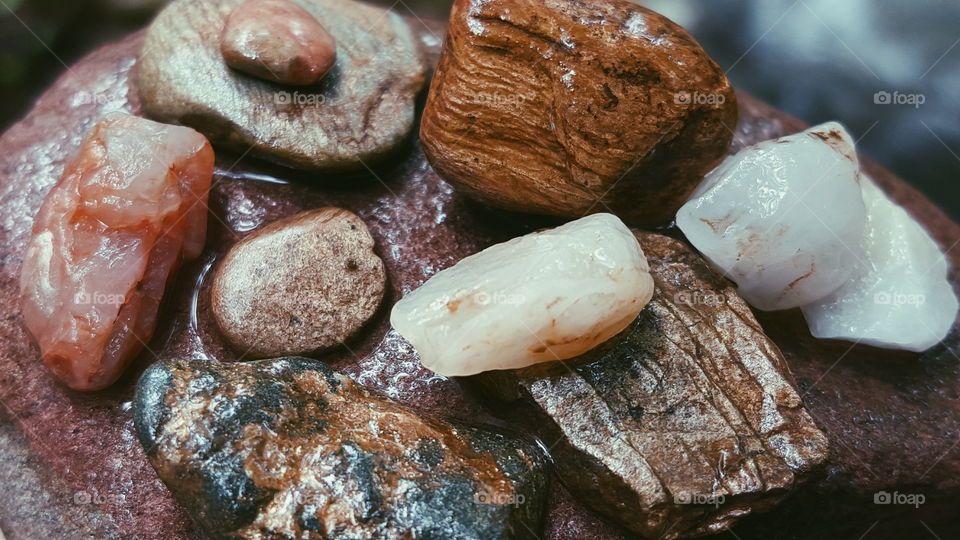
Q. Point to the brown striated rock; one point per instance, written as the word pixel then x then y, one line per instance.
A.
pixel 565 108
pixel 299 285
pixel 688 421
pixel 362 110
pixel 289 448
pixel 277 40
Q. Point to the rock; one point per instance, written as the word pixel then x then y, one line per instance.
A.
pixel 783 219
pixel 898 296
pixel 279 41
pixel 547 296
pixel 290 448
pixel 686 422
pixel 795 223
pixel 564 108
pixel 320 285
pixel 128 210
pixel 361 112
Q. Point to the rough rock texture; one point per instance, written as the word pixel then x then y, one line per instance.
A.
pixel 563 107
pixel 290 448
pixel 318 284
pixel 277 40
pixel 362 110
pixel 688 421
pixel 130 208
pixel 893 419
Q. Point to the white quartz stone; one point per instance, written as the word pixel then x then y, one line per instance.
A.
pixel 783 219
pixel 550 295
pixel 899 296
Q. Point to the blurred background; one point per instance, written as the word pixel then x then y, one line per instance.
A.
pixel 889 70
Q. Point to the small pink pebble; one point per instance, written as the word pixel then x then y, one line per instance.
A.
pixel 128 210
pixel 279 41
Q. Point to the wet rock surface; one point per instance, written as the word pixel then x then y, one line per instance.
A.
pixel 550 295
pixel 783 219
pixel 563 107
pixel 360 112
pixel 130 208
pixel 290 448
pixel 299 285
pixel 688 421
pixel 891 417
pixel 277 40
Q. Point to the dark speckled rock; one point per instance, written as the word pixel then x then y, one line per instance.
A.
pixel 289 448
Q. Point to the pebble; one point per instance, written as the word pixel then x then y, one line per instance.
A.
pixel 784 218
pixel 566 108
pixel 899 295
pixel 299 285
pixel 290 448
pixel 279 41
pixel 130 207
pixel 547 296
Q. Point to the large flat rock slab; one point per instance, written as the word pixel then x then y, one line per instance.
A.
pixel 359 112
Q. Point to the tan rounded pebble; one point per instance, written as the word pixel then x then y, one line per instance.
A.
pixel 279 41
pixel 298 286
